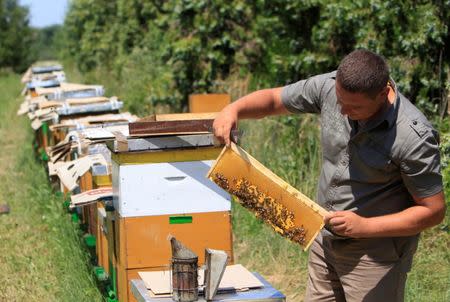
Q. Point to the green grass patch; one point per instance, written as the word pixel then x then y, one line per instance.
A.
pixel 41 253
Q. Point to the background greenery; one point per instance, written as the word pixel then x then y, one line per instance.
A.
pixel 173 48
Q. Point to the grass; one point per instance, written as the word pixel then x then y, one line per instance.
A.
pixel 41 255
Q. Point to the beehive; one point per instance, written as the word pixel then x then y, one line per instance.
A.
pixel 160 189
pixel 294 215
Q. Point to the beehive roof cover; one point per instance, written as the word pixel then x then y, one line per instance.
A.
pixel 173 124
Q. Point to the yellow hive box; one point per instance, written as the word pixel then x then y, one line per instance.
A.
pixel 200 103
pixel 234 163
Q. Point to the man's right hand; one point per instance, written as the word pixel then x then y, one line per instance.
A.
pixel 225 121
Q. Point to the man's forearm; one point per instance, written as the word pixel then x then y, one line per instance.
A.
pixel 427 212
pixel 409 222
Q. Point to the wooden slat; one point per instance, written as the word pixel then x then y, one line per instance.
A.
pixel 234 164
pixel 49 104
pixel 170 127
pixel 83 101
pixel 179 117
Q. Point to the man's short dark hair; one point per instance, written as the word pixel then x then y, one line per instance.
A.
pixel 363 71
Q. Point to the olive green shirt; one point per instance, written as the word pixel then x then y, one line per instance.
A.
pixel 373 168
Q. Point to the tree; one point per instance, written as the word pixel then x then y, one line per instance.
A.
pixel 15 35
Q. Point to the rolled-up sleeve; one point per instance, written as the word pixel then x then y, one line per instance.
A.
pixel 420 165
pixel 305 96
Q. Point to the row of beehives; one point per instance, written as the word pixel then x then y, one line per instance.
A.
pixel 133 182
pixel 128 192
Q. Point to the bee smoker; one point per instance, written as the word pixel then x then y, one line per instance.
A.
pixel 184 270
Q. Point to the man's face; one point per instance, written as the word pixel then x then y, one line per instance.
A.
pixel 359 106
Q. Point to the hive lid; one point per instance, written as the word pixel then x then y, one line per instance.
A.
pixel 173 124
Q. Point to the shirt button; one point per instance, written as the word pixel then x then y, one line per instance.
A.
pixel 414 122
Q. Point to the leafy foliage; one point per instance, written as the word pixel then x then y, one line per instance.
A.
pixel 15 35
pixel 47 42
pixel 280 41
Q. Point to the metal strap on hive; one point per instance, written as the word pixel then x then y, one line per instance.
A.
pixel 163 142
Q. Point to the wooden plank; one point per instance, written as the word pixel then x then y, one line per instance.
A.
pixel 83 101
pixel 234 164
pixel 94 120
pixel 101 248
pixel 49 104
pixel 75 86
pixel 170 127
pixel 63 87
pixel 179 117
pixel 199 103
pixel 90 196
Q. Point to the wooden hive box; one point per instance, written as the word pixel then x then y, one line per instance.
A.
pixel 199 103
pixel 164 192
pixel 234 164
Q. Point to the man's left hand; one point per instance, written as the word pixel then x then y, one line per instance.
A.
pixel 347 223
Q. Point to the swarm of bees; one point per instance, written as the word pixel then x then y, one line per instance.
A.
pixel 264 207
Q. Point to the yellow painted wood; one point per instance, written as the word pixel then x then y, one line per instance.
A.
pixel 235 163
pixel 199 103
pixel 145 238
pixel 121 258
pixel 101 246
pixel 102 181
pixel 110 236
pixel 179 117
pixel 141 243
pixel 135 158
pixel 89 212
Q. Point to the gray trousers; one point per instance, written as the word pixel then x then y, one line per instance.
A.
pixel 359 269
